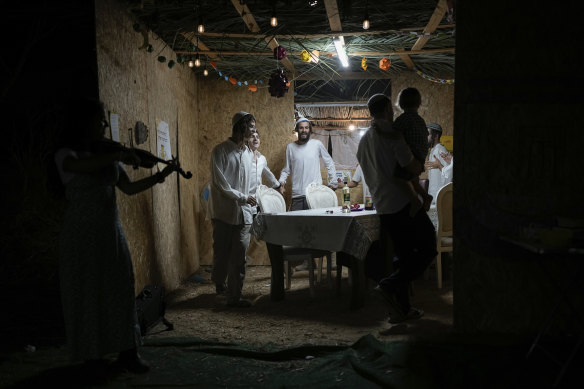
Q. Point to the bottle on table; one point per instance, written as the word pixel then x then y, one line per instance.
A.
pixel 346 198
pixel 368 203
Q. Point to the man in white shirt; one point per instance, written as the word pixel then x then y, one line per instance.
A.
pixel 303 164
pixel 435 159
pixel 380 150
pixel 230 208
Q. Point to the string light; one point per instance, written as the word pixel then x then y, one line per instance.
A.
pixel 191 63
pixel 197 60
pixel 200 28
pixel 205 72
pixel 351 127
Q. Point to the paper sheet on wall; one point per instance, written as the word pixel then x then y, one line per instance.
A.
pixel 114 126
pixel 163 142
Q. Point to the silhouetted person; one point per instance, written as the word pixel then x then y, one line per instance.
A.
pixel 96 273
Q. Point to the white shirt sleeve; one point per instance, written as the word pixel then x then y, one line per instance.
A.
pixel 219 180
pixel 268 175
pixel 286 170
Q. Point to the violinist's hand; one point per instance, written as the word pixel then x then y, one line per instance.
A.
pixel 168 169
pixel 282 189
pixel 252 201
pixel 128 157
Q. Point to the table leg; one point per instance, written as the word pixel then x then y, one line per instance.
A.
pixel 277 280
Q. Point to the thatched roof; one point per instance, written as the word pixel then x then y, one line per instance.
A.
pixel 239 40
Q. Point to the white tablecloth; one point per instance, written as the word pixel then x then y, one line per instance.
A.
pixel 351 233
pixel 433 215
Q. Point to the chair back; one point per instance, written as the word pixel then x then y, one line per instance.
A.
pixel 270 200
pixel 444 210
pixel 320 196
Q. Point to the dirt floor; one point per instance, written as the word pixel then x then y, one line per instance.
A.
pixel 196 310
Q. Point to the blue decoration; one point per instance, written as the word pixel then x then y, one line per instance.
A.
pixel 220 74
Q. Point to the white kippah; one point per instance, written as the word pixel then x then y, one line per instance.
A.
pixel 300 120
pixel 238 116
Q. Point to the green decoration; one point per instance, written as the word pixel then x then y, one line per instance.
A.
pixel 170 64
pixel 161 58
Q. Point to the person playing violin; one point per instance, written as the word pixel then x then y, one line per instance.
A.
pixel 95 268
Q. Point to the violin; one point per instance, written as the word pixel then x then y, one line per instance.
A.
pixel 147 159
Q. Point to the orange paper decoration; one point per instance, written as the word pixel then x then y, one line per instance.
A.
pixel 384 64
pixel 232 80
pixel 213 64
pixel 253 88
pixel 364 63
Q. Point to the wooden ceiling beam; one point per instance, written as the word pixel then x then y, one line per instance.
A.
pixel 332 12
pixel 333 53
pixel 308 36
pixel 252 25
pixel 433 23
pixel 200 44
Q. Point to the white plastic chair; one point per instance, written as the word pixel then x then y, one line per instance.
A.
pixel 321 196
pixel 271 201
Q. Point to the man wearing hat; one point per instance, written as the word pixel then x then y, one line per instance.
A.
pixel 435 159
pixel 303 164
pixel 380 151
pixel 230 208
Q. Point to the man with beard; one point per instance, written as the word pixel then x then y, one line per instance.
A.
pixel 303 164
pixel 230 208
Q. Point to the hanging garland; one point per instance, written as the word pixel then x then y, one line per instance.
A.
pixel 252 87
pixel 434 79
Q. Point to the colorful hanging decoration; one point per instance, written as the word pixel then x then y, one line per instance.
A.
pixel 305 56
pixel 233 81
pixel 384 63
pixel 434 79
pixel 278 81
pixel 279 52
pixel 315 56
pixel 364 63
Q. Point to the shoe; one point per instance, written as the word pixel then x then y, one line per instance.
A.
pixel 413 313
pixel 241 303
pixel 220 288
pixel 131 362
pixel 395 310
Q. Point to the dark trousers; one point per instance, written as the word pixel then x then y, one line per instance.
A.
pixel 414 243
pixel 299 203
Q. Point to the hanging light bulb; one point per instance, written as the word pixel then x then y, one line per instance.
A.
pixel 197 60
pixel 366 23
pixel 191 63
pixel 366 18
pixel 205 72
pixel 200 28
pixel 273 19
pixel 351 127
